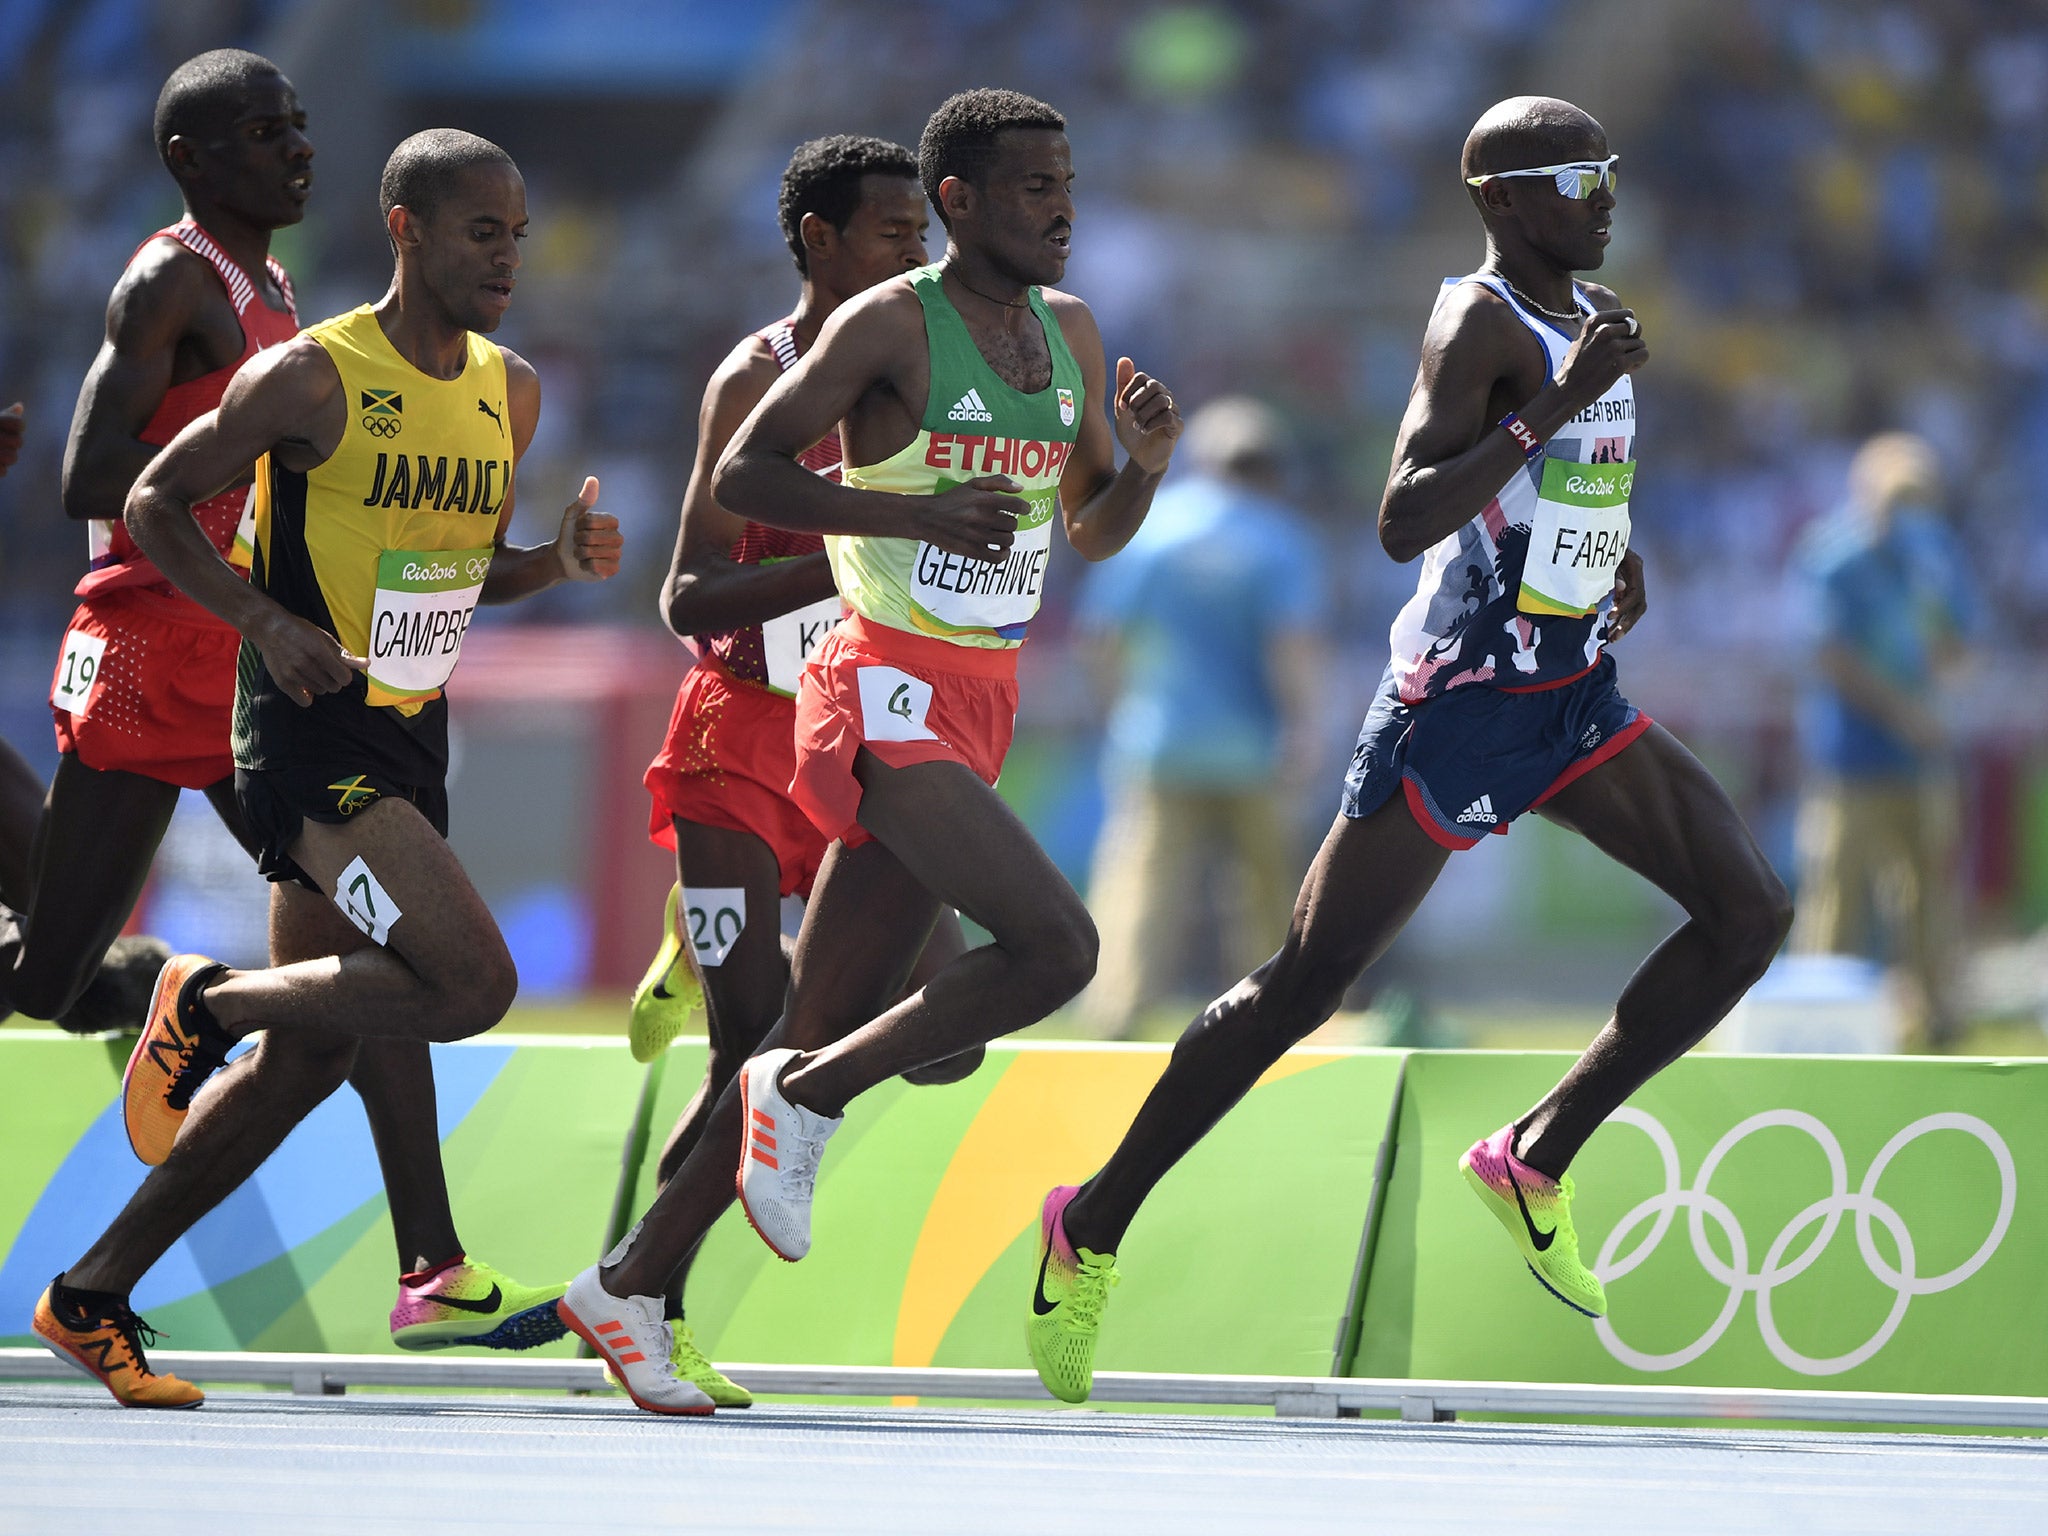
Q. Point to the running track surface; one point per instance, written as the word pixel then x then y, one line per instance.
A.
pixel 71 1461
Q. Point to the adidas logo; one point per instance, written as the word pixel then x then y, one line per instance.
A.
pixel 1479 810
pixel 969 407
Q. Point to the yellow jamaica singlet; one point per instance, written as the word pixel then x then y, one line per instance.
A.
pixel 385 546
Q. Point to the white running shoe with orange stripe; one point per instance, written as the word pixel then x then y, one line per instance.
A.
pixel 631 1336
pixel 779 1163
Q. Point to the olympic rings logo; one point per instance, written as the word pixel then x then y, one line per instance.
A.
pixel 383 426
pixel 1863 1203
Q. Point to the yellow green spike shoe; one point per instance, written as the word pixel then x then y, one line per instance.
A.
pixel 671 995
pixel 1067 1298
pixel 689 1364
pixel 1537 1213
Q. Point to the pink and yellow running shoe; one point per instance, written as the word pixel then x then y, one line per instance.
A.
pixel 1536 1210
pixel 465 1301
pixel 1067 1299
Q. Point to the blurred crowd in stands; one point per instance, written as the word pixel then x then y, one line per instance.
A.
pixel 1831 219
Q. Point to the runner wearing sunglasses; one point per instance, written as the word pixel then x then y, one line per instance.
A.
pixel 1510 479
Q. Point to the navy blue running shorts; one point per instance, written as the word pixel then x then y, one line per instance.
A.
pixel 1470 761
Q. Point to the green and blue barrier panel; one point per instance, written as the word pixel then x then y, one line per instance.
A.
pixel 1866 1224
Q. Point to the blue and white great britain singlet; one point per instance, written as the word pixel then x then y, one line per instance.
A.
pixel 1490 607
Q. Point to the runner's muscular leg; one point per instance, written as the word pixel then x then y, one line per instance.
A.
pixel 444 972
pixel 21 807
pixel 237 1120
pixel 1365 883
pixel 1654 809
pixel 960 841
pixel 743 996
pixel 93 847
pixel 393 1077
pixel 946 945
pixel 866 923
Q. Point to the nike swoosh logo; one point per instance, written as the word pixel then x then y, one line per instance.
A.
pixel 1038 1302
pixel 489 1303
pixel 661 989
pixel 1542 1240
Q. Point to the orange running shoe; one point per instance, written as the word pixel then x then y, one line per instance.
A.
pixel 180 1048
pixel 108 1347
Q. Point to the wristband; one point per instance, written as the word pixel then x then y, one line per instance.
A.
pixel 1518 429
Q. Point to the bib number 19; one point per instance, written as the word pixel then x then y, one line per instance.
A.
pixel 77 670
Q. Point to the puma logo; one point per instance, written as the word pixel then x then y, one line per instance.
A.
pixel 484 406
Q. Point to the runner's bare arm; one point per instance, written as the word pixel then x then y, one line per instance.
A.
pixel 588 544
pixel 707 591
pixel 1631 598
pixel 286 402
pixel 869 343
pixel 1478 363
pixel 151 310
pixel 1103 506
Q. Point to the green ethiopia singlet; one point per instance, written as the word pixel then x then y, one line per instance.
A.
pixel 974 424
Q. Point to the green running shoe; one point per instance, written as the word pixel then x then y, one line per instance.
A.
pixel 1537 1212
pixel 468 1302
pixel 689 1364
pixel 1066 1304
pixel 670 995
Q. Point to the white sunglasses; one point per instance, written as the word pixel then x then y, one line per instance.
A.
pixel 1579 179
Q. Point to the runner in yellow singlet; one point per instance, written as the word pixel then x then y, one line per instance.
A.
pixel 385 444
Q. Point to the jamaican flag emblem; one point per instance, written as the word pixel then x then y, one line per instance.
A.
pixel 382 410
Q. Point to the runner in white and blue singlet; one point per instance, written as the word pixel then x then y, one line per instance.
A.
pixel 1465 624
pixel 1510 479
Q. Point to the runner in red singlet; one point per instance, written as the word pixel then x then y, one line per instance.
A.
pixel 21 792
pixel 144 688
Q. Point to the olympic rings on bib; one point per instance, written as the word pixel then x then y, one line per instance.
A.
pixel 1777 1269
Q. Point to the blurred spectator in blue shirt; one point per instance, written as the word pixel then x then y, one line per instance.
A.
pixel 1208 628
pixel 1884 585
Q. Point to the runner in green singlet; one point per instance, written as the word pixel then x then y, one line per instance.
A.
pixel 977 409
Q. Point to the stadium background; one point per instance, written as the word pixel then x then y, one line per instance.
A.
pixel 1831 223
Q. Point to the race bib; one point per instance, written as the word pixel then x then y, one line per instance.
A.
pixel 716 916
pixel 422 609
pixel 78 668
pixel 364 902
pixel 790 639
pixel 893 705
pixel 979 594
pixel 1576 538
pixel 242 556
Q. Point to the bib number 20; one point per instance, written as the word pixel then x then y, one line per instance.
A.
pixel 715 917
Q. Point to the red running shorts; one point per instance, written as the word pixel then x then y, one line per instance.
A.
pixel 145 684
pixel 726 762
pixel 907 699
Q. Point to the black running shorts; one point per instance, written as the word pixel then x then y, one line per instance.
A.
pixel 277 802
